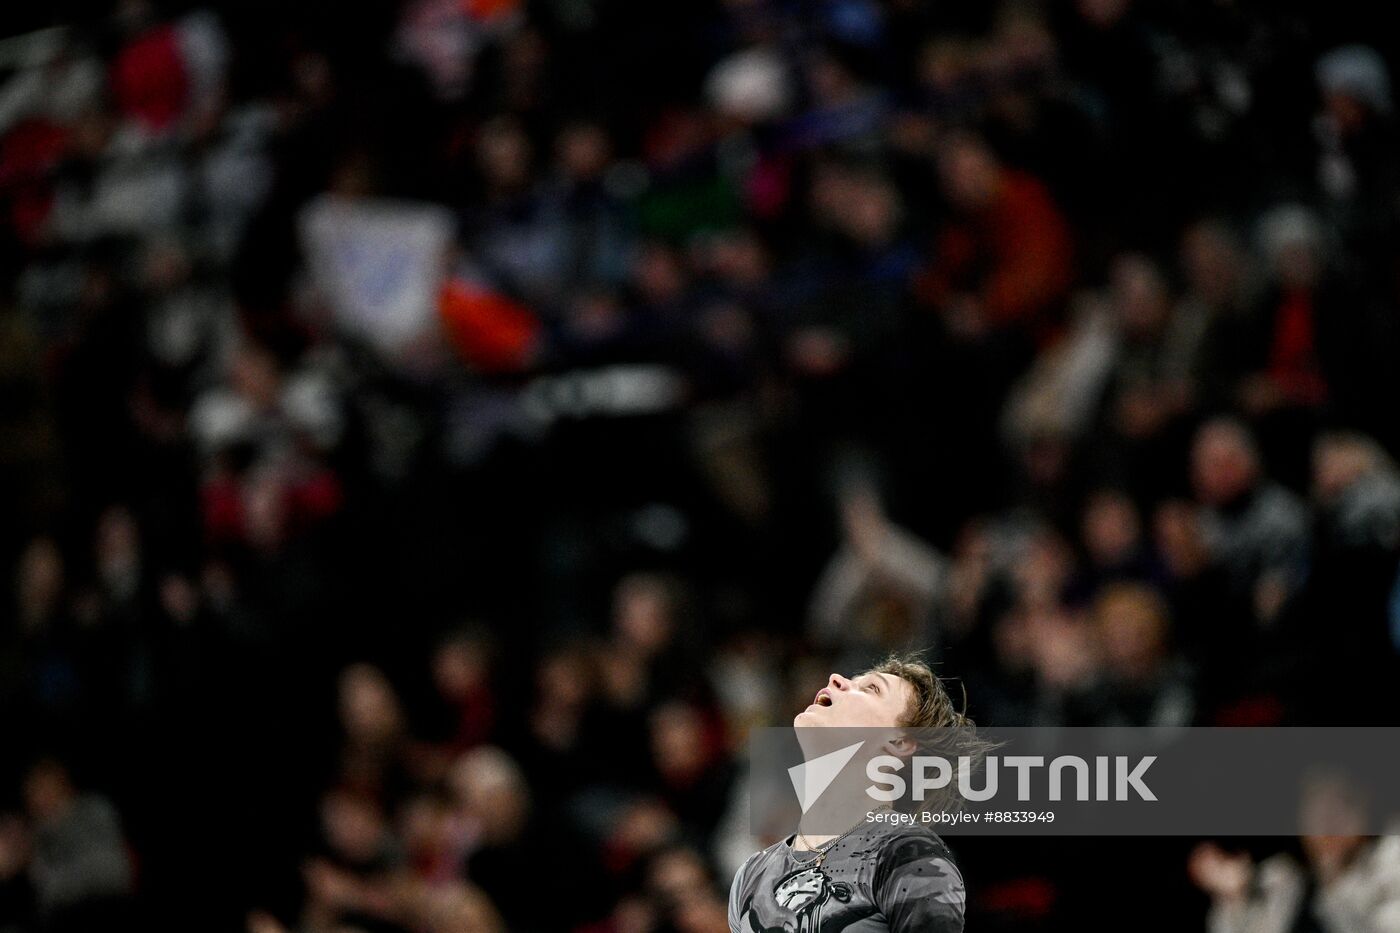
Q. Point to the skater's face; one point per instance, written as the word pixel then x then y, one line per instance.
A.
pixel 870 700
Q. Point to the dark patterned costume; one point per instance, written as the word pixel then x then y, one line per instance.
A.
pixel 876 879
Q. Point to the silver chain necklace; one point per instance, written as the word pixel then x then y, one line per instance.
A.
pixel 824 849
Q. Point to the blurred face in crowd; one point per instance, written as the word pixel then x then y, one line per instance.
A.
pixel 488 785
pixel 873 215
pixel 133 15
pixel 678 742
pixel 676 874
pixel 1211 261
pixel 1042 570
pixel 266 508
pixel 1024 41
pixel 424 823
pixel 117 539
pixel 40 580
pixel 458 907
pixel 460 668
pixel 565 678
pixel 739 258
pixel 1223 463
pixel 369 710
pixel 679 880
pixel 970 172
pixel 1046 459
pixel 255 376
pixel 945 62
pixel 1111 527
pixel 830 81
pixel 1062 647
pixel 1012 639
pixel 1177 534
pixel 583 151
pixel 118 549
pixel 642 614
pixel 313 78
pixel 353 825
pixel 47 791
pixel 831 193
pixel 870 700
pixel 1349 112
pixel 1132 629
pixel 1340 461
pixel 1332 817
pixel 1139 295
pixel 165 266
pixel 503 155
pixel 1102 13
pixel 523 63
pixel 658 275
pixel 594 315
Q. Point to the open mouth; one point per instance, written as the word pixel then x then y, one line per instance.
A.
pixel 823 699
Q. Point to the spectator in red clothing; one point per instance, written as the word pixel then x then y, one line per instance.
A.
pixel 149 78
pixel 1291 371
pixel 1005 258
pixel 461 669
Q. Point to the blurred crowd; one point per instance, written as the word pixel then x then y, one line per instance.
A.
pixel 434 432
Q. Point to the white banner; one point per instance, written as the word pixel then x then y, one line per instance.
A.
pixel 379 263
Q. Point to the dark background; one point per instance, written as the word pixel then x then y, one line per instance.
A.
pixel 269 588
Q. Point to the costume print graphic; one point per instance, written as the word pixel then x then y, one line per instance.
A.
pixel 873 880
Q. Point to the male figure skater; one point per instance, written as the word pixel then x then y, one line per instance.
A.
pixel 877 875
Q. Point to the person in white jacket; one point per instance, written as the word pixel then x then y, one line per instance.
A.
pixel 1347 883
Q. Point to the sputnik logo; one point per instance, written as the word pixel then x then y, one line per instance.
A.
pixel 813 777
